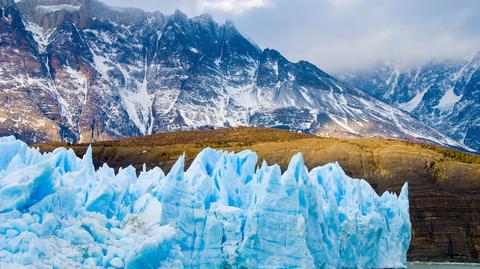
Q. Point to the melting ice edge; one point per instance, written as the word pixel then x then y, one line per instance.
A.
pixel 56 210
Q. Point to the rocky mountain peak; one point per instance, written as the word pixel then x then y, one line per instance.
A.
pixel 231 31
pixel 230 24
pixel 204 19
pixel 50 13
pixel 272 54
pixel 179 16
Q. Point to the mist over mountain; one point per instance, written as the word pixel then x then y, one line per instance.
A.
pixel 443 94
pixel 346 35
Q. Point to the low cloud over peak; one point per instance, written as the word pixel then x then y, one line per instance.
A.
pixel 345 35
pixel 233 6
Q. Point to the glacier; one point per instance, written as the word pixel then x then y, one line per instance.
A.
pixel 224 211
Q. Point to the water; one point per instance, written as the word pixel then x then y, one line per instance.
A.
pixel 432 265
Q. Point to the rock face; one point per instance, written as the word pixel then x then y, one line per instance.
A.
pixel 445 95
pixel 95 72
pixel 28 106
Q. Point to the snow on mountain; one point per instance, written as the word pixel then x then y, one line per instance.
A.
pixel 222 212
pixel 94 72
pixel 54 8
pixel 444 94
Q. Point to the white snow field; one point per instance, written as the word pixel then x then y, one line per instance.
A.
pixel 57 211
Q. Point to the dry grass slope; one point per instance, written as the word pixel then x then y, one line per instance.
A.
pixel 444 184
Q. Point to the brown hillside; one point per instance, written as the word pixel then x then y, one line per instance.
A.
pixel 444 184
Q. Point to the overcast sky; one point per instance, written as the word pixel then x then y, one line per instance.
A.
pixel 343 35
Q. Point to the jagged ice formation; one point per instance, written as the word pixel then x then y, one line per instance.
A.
pixel 56 210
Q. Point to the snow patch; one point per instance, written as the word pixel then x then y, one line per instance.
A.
pixel 40 35
pixel 100 64
pixel 139 105
pixel 275 68
pixel 343 124
pixel 448 101
pixel 194 50
pixel 414 102
pixel 54 8
pixel 78 78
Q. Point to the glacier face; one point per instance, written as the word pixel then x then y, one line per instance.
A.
pixel 57 211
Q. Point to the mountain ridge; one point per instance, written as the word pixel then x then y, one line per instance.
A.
pixel 444 94
pixel 98 79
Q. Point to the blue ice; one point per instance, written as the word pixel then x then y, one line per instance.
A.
pixel 57 210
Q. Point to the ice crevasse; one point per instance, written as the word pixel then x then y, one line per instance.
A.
pixel 58 211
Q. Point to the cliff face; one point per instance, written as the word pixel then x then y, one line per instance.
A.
pixel 444 185
pixel 49 14
pixel 24 85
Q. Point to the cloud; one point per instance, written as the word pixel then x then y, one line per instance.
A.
pixel 233 6
pixel 347 35
pixel 344 35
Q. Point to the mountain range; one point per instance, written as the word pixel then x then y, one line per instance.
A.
pixel 443 94
pixel 82 71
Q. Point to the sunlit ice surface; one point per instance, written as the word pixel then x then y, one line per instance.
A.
pixel 57 210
